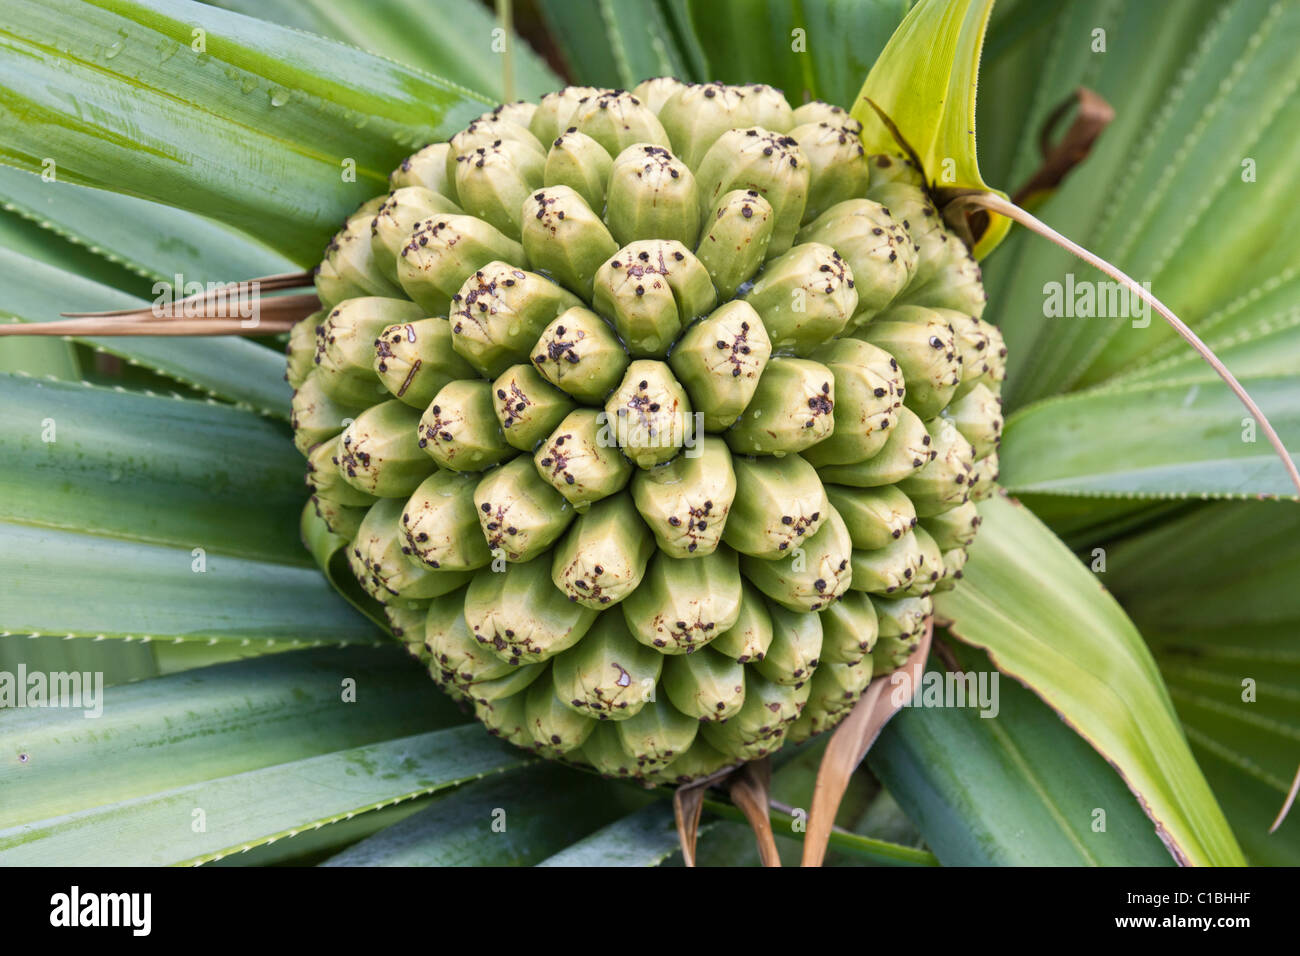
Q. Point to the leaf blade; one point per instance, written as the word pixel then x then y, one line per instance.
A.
pixel 1021 590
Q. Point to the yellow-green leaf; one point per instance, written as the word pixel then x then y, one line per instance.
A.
pixel 925 83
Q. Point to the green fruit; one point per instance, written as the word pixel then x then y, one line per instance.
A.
pixel 315 416
pixel 520 514
pixel 779 503
pixel 527 407
pixel 440 524
pixel 698 114
pixel 603 556
pixel 581 355
pixel 325 480
pixel 461 660
pixel 446 250
pixel 816 573
pixel 877 248
pixel 686 502
pixel 384 571
pixel 760 725
pixel 518 615
pixel 380 454
pixel 771 164
pixel 656 735
pixel 651 290
pixel 555 728
pixel 654 93
pixel 906 450
pixel 345 346
pixel 849 629
pixel 652 195
pixel 792 409
pixel 459 429
pixel 839 166
pixel 579 162
pixel 891 569
pixel 983 475
pixel 720 360
pixel 300 351
pixel 415 359
pixel 734 240
pixel 581 460
pixel 925 347
pixel 626 409
pixel 909 205
pixel 978 416
pixel 396 219
pixel 945 482
pixel 428 169
pixel 954 528
pixel 684 603
pixel 563 237
pixel 554 112
pixel 749 638
pixel 492 181
pixel 868 392
pixel 349 269
pixel 796 646
pixel 705 685
pixel 498 314
pixel 805 297
pixel 616 120
pixel 608 675
pixel 342 520
pixel 874 516
pixel 649 415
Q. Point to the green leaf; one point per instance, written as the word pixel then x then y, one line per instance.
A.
pixel 150 240
pixel 259 806
pixel 327 550
pixel 1152 441
pixel 1014 788
pixel 512 819
pixel 20 236
pixel 613 43
pixel 47 357
pixel 1214 592
pixel 925 82
pixel 64 582
pixel 645 838
pixel 171 732
pixel 1198 87
pixel 316 845
pixel 118 662
pixel 815 49
pixel 448 38
pixel 1048 623
pixel 37 290
pixel 124 101
pixel 149 468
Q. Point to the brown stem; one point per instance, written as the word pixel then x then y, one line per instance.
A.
pixel 749 792
pixel 848 747
pixel 275 283
pixel 1095 114
pixel 93 328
